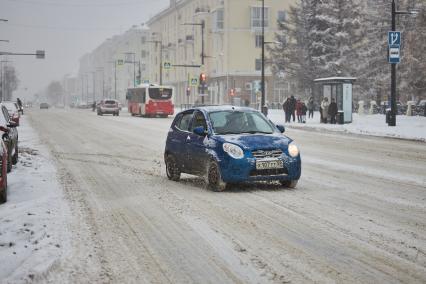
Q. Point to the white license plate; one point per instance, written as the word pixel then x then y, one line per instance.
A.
pixel 271 164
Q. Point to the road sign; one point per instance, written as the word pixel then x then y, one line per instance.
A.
pixel 394 54
pixel 394 38
pixel 120 62
pixel 40 54
pixel 194 82
pixel 167 65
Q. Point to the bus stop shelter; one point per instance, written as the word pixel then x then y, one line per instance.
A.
pixel 340 89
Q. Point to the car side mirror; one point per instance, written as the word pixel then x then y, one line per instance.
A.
pixel 281 128
pixel 12 124
pixel 200 131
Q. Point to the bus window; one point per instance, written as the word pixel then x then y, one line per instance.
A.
pixel 160 93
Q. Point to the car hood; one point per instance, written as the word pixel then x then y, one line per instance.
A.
pixel 256 141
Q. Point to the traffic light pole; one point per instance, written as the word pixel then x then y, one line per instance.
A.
pixel 262 101
pixel 392 118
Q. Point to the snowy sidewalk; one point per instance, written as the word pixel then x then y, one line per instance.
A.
pixel 408 127
pixel 33 222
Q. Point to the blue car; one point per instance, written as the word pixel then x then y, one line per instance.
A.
pixel 227 145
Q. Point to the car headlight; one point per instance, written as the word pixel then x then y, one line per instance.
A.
pixel 233 150
pixel 293 150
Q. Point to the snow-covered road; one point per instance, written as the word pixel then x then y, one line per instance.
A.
pixel 358 214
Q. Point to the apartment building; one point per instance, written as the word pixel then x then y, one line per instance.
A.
pixel 232 39
pixel 114 66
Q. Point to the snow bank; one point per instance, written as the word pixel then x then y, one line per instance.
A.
pixel 408 127
pixel 33 221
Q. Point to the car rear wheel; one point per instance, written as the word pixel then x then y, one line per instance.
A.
pixel 172 169
pixel 9 163
pixel 289 183
pixel 15 155
pixel 214 178
pixel 3 194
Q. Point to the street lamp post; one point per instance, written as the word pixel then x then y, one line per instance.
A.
pixel 203 56
pixel 392 118
pixel 103 80
pixel 161 58
pixel 262 87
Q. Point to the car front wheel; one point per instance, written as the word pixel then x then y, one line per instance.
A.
pixel 289 183
pixel 172 169
pixel 214 177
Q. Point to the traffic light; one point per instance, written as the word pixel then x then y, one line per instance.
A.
pixel 231 92
pixel 203 77
pixel 188 91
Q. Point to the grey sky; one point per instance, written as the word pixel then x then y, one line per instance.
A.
pixel 65 29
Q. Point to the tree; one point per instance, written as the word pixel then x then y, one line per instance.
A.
pixel 10 82
pixel 55 92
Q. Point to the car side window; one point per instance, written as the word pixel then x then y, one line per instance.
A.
pixel 4 119
pixel 184 121
pixel 198 120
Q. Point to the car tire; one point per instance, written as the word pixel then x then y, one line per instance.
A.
pixel 9 163
pixel 172 169
pixel 3 194
pixel 118 114
pixel 214 178
pixel 289 183
pixel 15 156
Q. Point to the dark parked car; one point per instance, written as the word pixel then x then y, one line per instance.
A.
pixel 230 145
pixel 3 172
pixel 44 106
pixel 13 110
pixel 108 106
pixel 9 135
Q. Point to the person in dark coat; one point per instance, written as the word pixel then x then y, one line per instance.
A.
pixel 332 111
pixel 311 106
pixel 286 109
pixel 304 110
pixel 299 110
pixel 292 108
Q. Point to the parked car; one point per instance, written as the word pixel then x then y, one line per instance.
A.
pixel 44 105
pixel 13 110
pixel 9 134
pixel 3 172
pixel 108 106
pixel 228 145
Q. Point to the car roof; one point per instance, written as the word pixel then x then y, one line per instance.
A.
pixel 215 108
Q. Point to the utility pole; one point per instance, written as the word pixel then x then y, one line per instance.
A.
pixel 262 87
pixel 393 112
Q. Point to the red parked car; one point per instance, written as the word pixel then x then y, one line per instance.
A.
pixel 13 110
pixel 3 172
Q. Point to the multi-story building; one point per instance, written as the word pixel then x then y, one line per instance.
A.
pixel 114 66
pixel 231 40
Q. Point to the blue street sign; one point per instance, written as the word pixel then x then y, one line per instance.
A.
pixel 394 38
pixel 394 54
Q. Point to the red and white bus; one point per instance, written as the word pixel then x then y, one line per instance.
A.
pixel 150 100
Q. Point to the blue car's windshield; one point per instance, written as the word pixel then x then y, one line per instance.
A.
pixel 238 122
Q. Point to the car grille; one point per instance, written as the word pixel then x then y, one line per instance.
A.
pixel 269 172
pixel 262 154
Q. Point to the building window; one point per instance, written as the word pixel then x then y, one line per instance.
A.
pixel 143 40
pixel 218 18
pixel 259 40
pixel 256 17
pixel 258 64
pixel 282 16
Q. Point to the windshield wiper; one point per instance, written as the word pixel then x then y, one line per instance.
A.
pixel 254 132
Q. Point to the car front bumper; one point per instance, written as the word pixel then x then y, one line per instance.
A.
pixel 244 170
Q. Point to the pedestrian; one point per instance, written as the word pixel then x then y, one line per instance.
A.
pixel 311 106
pixel 19 102
pixel 304 110
pixel 332 111
pixel 324 109
pixel 292 108
pixel 299 110
pixel 286 107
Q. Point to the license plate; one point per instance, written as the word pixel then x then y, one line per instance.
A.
pixel 271 164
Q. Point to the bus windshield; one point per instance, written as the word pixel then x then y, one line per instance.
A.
pixel 160 93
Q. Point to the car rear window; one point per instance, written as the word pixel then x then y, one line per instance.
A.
pixel 110 102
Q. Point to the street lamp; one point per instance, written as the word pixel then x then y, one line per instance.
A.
pixel 392 118
pixel 161 56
